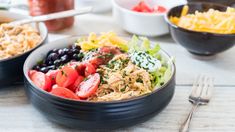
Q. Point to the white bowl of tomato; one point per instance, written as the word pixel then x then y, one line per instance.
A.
pixel 143 17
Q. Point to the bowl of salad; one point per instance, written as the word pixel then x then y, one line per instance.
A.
pixel 99 81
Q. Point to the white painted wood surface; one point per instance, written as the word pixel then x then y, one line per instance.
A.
pixel 18 115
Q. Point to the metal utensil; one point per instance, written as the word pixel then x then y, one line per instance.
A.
pixel 200 95
pixel 52 16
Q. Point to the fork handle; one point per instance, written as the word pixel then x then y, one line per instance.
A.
pixel 185 126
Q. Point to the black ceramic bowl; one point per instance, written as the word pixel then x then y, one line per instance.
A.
pixel 224 2
pixel 200 43
pixel 11 68
pixel 95 115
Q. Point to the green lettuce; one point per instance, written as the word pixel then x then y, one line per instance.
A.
pixel 160 76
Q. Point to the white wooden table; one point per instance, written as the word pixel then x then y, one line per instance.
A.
pixel 18 115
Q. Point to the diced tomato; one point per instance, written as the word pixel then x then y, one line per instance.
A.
pixel 41 80
pixel 160 9
pixel 110 50
pixel 144 7
pixel 96 61
pixel 66 76
pixel 31 72
pixel 89 86
pixel 64 93
pixel 90 69
pixel 81 69
pixel 52 75
pixel 76 84
pixel 136 8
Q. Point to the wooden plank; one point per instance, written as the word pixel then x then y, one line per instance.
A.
pixel 18 115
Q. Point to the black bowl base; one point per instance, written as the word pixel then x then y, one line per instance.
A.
pixel 201 54
pixel 109 126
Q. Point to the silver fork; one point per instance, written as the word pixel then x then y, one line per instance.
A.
pixel 200 95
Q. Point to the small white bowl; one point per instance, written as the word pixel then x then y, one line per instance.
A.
pixel 99 6
pixel 146 24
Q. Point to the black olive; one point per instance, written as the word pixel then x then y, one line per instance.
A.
pixel 77 57
pixel 43 65
pixel 37 68
pixel 55 50
pixel 52 67
pixel 75 51
pixel 78 47
pixel 65 58
pixel 52 57
pixel 57 63
pixel 70 52
pixel 61 52
pixel 65 50
pixel 50 63
pixel 44 69
pixel 52 51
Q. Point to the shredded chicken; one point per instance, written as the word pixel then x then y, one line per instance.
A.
pixel 15 40
pixel 121 79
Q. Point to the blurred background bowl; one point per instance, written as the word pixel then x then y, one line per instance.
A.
pixel 200 43
pixel 11 69
pixel 147 24
pixel 99 6
pixel 95 115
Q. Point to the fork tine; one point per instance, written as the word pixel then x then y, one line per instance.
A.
pixel 207 90
pixel 211 88
pixel 197 87
pixel 205 87
pixel 194 87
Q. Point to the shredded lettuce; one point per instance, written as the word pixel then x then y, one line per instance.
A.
pixel 159 76
pixel 143 44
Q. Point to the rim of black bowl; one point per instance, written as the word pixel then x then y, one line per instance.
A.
pixel 166 16
pixel 38 45
pixel 98 102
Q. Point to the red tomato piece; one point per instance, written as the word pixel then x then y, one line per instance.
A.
pixel 160 9
pixel 52 75
pixel 89 86
pixel 90 69
pixel 76 84
pixel 136 8
pixel 64 93
pixel 81 69
pixel 66 76
pixel 31 72
pixel 96 61
pixel 110 50
pixel 41 80
pixel 144 7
